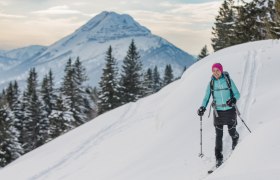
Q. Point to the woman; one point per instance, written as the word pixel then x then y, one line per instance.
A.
pixel 225 94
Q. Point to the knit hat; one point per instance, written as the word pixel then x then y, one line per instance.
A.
pixel 218 66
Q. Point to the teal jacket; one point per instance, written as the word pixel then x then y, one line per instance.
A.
pixel 221 93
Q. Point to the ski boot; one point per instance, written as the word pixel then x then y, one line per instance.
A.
pixel 219 162
pixel 235 141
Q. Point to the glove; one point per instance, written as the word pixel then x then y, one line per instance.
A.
pixel 201 111
pixel 231 101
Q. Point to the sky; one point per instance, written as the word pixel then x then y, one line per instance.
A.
pixel 185 23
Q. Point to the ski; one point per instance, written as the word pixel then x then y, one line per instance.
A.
pixel 210 171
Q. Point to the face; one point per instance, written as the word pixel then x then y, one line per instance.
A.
pixel 216 73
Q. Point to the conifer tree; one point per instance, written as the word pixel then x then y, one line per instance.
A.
pixel 10 148
pixel 255 21
pixel 168 75
pixel 61 118
pixel 272 19
pixel 48 92
pixel 109 96
pixel 203 53
pixel 224 26
pixel 157 82
pixel 14 104
pixel 73 92
pixel 35 124
pixel 131 75
pixel 148 82
pixel 81 97
pixel 67 92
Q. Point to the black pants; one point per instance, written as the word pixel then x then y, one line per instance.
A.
pixel 219 138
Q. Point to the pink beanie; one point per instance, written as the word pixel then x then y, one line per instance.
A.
pixel 218 66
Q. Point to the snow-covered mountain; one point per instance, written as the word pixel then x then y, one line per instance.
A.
pixel 12 58
pixel 157 137
pixel 91 41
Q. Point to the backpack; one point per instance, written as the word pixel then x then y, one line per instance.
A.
pixel 226 75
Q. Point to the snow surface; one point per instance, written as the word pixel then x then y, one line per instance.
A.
pixel 157 137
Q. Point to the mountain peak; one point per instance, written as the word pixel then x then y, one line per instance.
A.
pixel 110 25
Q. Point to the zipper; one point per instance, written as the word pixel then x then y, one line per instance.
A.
pixel 221 93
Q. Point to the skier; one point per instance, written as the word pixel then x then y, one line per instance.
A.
pixel 224 94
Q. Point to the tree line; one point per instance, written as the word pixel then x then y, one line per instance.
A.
pixel 43 111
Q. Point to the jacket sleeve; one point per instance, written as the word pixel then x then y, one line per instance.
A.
pixel 207 96
pixel 235 90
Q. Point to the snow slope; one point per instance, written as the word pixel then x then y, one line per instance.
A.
pixel 157 137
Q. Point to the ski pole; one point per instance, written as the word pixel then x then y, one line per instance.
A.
pixel 238 113
pixel 201 154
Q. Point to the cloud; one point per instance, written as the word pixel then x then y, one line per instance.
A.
pixel 59 10
pixel 196 13
pixel 10 16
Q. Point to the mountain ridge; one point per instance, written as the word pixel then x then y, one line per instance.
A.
pixel 91 41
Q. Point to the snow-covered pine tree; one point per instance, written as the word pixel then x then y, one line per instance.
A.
pixel 254 21
pixel 10 148
pixel 109 95
pixel 14 103
pixel 35 124
pixel 83 105
pixel 68 90
pixel 157 81
pixel 61 118
pixel 47 92
pixel 203 53
pixel 148 82
pixel 223 31
pixel 73 92
pixel 271 19
pixel 168 75
pixel 131 83
pixel 48 96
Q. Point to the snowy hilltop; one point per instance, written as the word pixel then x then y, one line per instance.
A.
pixel 90 42
pixel 157 137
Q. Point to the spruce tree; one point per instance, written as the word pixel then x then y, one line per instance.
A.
pixel 48 92
pixel 81 97
pixel 109 96
pixel 61 118
pixel 35 123
pixel 48 96
pixel 272 19
pixel 67 92
pixel 10 148
pixel 148 82
pixel 168 75
pixel 14 103
pixel 223 31
pixel 203 53
pixel 73 92
pixel 131 75
pixel 157 81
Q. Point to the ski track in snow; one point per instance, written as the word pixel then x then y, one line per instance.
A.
pixel 249 82
pixel 248 86
pixel 93 140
